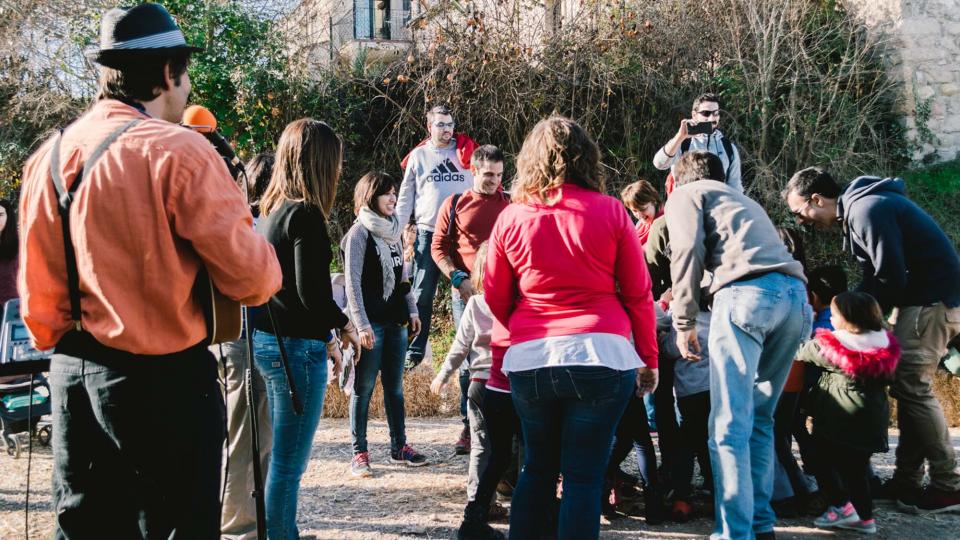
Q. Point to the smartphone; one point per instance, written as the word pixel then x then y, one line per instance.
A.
pixel 700 128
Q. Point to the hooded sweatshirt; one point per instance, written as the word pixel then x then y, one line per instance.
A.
pixel 714 228
pixel 906 257
pixel 432 174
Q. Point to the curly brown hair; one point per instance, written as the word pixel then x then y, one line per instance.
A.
pixel 556 151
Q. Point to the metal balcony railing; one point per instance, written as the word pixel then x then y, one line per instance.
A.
pixel 381 24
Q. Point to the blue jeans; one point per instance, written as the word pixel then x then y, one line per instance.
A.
pixel 386 358
pixel 425 278
pixel 292 434
pixel 755 330
pixel 568 416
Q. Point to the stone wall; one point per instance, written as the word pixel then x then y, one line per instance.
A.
pixel 921 39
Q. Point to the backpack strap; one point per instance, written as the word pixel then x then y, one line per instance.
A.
pixel 728 148
pixel 65 194
pixel 452 227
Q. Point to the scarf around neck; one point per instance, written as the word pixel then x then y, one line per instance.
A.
pixel 386 234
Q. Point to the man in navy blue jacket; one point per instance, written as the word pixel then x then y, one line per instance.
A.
pixel 912 268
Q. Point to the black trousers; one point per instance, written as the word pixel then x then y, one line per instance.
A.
pixel 845 476
pixel 784 420
pixel 137 442
pixel 502 424
pixel 694 433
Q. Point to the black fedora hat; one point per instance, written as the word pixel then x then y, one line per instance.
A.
pixel 127 33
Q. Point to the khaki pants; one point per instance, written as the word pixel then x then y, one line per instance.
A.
pixel 923 333
pixel 238 519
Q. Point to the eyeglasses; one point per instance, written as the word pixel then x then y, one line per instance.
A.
pixel 708 114
pixel 444 125
pixel 799 211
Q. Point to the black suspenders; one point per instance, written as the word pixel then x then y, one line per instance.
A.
pixel 65 200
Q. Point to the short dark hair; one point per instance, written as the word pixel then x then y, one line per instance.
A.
pixel 827 282
pixel 708 97
pixel 812 180
pixel 860 310
pixel 9 238
pixel 487 153
pixel 794 242
pixel 698 165
pixel 438 109
pixel 138 79
pixel 259 171
pixel 639 194
pixel 369 187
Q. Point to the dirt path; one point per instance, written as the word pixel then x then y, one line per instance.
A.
pixel 422 503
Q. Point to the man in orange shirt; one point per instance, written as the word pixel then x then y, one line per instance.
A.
pixel 137 413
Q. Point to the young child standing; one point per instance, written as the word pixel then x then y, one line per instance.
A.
pixel 472 345
pixel 849 406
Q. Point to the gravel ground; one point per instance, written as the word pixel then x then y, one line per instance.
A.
pixel 425 502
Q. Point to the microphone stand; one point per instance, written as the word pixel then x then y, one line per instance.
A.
pixel 249 377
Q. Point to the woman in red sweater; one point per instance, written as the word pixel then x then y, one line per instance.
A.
pixel 566 276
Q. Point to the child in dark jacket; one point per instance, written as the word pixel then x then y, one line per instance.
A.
pixel 849 406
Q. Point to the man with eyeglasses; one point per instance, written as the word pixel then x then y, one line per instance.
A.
pixel 706 110
pixel 912 268
pixel 436 169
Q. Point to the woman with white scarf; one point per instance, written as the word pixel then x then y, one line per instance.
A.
pixel 380 304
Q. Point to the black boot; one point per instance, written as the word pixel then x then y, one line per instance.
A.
pixel 654 511
pixel 474 525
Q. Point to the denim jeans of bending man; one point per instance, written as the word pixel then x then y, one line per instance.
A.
pixel 292 434
pixel 755 330
pixel 426 275
pixel 385 358
pixel 568 416
pixel 136 442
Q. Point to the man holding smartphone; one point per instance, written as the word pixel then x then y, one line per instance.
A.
pixel 700 132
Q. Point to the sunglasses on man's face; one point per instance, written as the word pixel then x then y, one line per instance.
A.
pixel 708 114
pixel 444 125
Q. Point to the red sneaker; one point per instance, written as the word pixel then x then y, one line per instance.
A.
pixel 936 501
pixel 463 443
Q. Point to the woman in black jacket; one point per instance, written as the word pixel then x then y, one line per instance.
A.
pixel 293 214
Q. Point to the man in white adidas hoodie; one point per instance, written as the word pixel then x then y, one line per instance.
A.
pixel 433 171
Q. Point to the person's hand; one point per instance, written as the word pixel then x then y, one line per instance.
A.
pixel 682 133
pixel 667 296
pixel 647 380
pixel 437 385
pixel 336 356
pixel 466 289
pixel 688 344
pixel 414 326
pixel 367 339
pixel 349 338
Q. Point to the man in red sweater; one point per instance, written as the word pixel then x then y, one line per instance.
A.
pixel 464 221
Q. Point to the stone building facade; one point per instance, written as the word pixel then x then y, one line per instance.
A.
pixel 922 43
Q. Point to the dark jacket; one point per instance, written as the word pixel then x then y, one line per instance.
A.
pixel 906 257
pixel 304 305
pixel 849 403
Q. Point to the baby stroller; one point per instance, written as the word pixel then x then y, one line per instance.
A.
pixel 18 420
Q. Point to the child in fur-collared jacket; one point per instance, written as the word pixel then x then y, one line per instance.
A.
pixel 849 406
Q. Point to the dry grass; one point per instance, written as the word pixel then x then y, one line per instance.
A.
pixel 416 394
